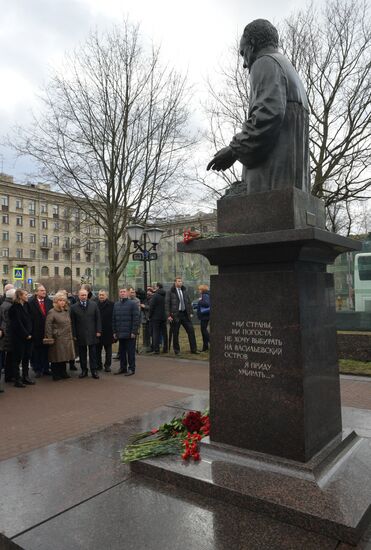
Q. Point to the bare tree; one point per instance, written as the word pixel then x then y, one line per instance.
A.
pixel 112 134
pixel 331 51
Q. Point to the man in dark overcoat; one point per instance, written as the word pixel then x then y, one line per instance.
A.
pixel 125 321
pixel 105 307
pixel 157 317
pixel 39 304
pixel 86 329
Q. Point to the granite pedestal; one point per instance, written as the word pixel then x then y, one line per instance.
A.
pixel 276 441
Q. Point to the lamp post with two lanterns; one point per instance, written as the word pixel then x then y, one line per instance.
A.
pixel 145 241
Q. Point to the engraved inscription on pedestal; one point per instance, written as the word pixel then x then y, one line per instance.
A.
pixel 252 346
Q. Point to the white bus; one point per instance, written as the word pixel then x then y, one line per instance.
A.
pixel 362 281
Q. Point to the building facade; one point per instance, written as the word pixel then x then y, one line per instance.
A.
pixel 46 234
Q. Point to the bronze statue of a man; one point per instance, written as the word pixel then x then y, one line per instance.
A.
pixel 274 143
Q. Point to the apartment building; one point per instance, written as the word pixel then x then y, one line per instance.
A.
pixel 44 232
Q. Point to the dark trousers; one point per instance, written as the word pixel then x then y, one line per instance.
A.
pixel 21 353
pixel 127 353
pixel 8 366
pixel 83 354
pixel 205 334
pixel 39 359
pixel 58 370
pixel 184 321
pixel 108 358
pixel 158 330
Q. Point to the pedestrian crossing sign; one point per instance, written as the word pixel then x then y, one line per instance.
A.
pixel 18 273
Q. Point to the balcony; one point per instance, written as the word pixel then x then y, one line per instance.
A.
pixel 55 216
pixel 46 246
pixel 4 208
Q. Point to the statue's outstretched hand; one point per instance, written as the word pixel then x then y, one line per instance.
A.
pixel 222 160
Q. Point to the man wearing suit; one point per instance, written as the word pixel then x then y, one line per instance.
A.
pixel 86 329
pixel 179 312
pixel 39 304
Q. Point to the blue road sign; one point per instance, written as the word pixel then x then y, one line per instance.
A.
pixel 29 281
pixel 18 273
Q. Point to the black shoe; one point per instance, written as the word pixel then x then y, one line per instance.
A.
pixel 56 378
pixel 95 375
pixel 27 382
pixel 18 384
pixel 107 369
pixel 84 374
pixel 121 371
pixel 64 375
pixel 129 373
pixel 38 375
pixel 47 373
pixel 176 352
pixel 73 367
pixel 195 352
pixel 100 368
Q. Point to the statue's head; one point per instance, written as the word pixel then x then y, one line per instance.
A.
pixel 258 34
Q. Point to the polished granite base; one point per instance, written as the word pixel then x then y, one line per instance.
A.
pixel 330 494
pixel 76 495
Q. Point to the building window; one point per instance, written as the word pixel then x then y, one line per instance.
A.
pixel 56 226
pixel 67 272
pixel 56 256
pixel 44 208
pixel 4 200
pixel 18 203
pixel 44 254
pixel 66 256
pixel 5 252
pixel 5 269
pixel 55 209
pixel 56 241
pixel 19 253
pixel 44 224
pixel 44 240
pixel 5 218
pixel 88 272
pixel 32 237
pixel 32 254
pixel 56 270
pixel 31 207
pixel 44 271
pixel 19 237
pixel 32 222
pixel 77 272
pixel 78 257
pixel 67 227
pixel 88 258
pixel 5 235
pixel 33 270
pixel 19 220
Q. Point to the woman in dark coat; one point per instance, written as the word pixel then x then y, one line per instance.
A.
pixel 203 313
pixel 20 325
pixel 58 333
pixel 5 341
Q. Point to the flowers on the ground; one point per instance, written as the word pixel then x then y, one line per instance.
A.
pixel 179 436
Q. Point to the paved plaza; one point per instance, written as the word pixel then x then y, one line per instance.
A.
pixel 63 486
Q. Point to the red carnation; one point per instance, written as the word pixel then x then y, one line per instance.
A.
pixel 193 421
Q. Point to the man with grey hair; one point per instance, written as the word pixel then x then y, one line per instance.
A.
pixel 274 143
pixel 7 287
pixel 105 307
pixel 39 304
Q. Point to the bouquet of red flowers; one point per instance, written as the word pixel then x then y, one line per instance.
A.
pixel 181 435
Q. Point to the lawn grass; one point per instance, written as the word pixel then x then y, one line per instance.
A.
pixel 359 368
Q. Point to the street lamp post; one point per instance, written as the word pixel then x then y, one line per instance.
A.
pixel 145 240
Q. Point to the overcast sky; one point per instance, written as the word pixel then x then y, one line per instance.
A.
pixel 35 34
